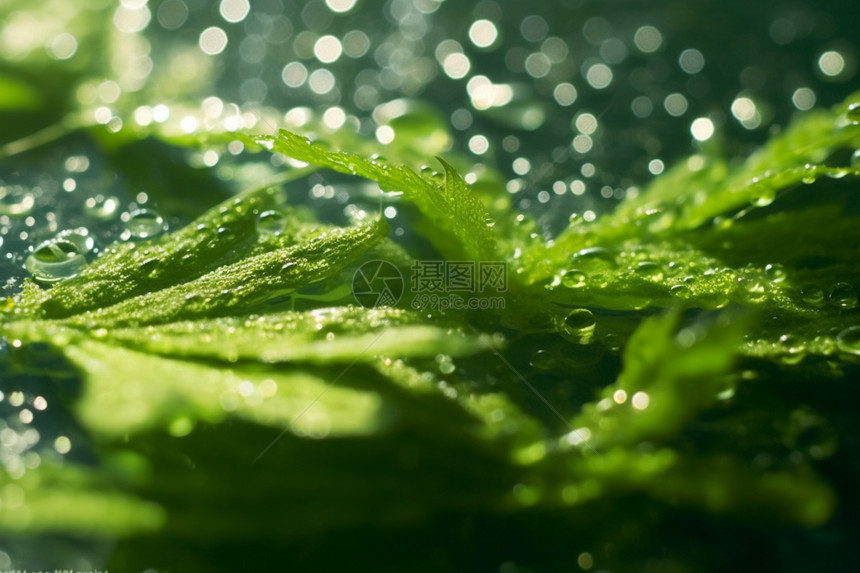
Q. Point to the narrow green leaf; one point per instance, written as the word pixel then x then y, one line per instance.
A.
pixel 319 336
pixel 129 391
pixel 462 226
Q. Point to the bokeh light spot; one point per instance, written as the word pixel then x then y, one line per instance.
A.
pixel 483 33
pixel 648 39
pixel 213 40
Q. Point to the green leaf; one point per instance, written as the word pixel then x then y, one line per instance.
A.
pixel 667 379
pixel 319 336
pixel 461 226
pixel 62 498
pixel 129 392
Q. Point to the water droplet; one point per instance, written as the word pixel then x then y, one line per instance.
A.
pixel 763 197
pixel 680 291
pixel 853 113
pixel 649 270
pixel 271 222
pixel 752 290
pixel 432 175
pixel 848 340
pixel 101 207
pixel 580 321
pixel 543 360
pixel 143 224
pixel 574 279
pixel 80 237
pixel 793 349
pixel 16 200
pixel 578 326
pixel 842 295
pixel 775 272
pixel 594 259
pixel 855 159
pixel 812 295
pixel 55 260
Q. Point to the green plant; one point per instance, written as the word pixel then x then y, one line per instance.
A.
pixel 223 368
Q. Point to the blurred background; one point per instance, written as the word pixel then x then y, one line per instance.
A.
pixel 573 103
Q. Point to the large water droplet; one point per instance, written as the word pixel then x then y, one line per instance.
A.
pixel 578 325
pixel 842 295
pixel 848 340
pixel 812 295
pixel 271 222
pixel 775 272
pixel 101 207
pixel 143 224
pixel 16 200
pixel 55 260
pixel 574 279
pixel 580 321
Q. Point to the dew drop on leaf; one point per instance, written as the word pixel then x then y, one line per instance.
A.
pixel 16 200
pixel 595 259
pixel 649 270
pixel 143 224
pixel 271 222
pixel 680 291
pixel 80 237
pixel 775 272
pixel 752 290
pixel 763 197
pixel 55 260
pixel 812 295
pixel 848 340
pixel 574 279
pixel 842 295
pixel 853 113
pixel 793 349
pixel 579 321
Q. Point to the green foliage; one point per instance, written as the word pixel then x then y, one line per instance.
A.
pixel 457 222
pixel 623 345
